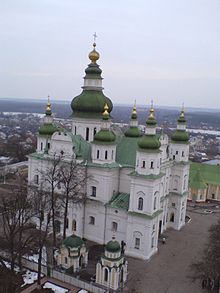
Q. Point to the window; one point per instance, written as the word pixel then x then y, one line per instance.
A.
pixel 172 217
pixel 152 242
pixel 48 145
pixel 137 243
pixel 213 196
pixel 41 146
pixel 67 223
pixel 173 157
pixel 87 133
pixel 154 227
pixel 93 191
pixel 155 203
pixel 176 152
pixel 92 220
pixel 36 179
pixel 182 153
pixel 66 260
pixel 140 203
pixel 112 154
pixel 151 164
pixel 94 131
pixel 106 155
pixel 173 204
pixel 106 275
pixel 73 225
pixel 75 130
pixel 114 226
pixel 97 155
pixel 143 164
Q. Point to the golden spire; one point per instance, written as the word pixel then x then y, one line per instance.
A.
pixel 151 116
pixel 182 111
pixel 48 108
pixel 94 55
pixel 134 111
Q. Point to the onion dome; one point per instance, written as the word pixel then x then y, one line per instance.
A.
pixel 105 135
pixel 91 101
pixel 73 241
pixel 48 127
pixel 133 130
pixel 180 135
pixel 113 246
pixel 150 140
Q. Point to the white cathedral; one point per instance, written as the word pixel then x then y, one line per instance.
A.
pixel 137 184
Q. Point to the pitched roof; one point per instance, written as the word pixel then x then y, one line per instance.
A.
pixel 209 173
pixel 120 201
pixel 126 151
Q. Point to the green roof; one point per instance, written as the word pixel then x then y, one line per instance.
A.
pixel 150 176
pixel 210 174
pixel 48 129
pixel 113 246
pixel 146 216
pixel 197 181
pixel 180 136
pixel 120 201
pixel 104 135
pixel 73 241
pixel 133 131
pixel 90 101
pixel 149 142
pixel 126 151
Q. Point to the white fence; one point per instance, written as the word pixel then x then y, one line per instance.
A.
pixel 64 277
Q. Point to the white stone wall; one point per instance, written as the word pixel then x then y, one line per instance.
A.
pixel 148 163
pixel 79 126
pixel 102 154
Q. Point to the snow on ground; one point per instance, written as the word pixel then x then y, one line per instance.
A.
pixel 55 288
pixel 34 257
pixel 29 277
pixel 83 291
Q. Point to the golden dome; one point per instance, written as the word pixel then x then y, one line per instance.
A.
pixel 94 55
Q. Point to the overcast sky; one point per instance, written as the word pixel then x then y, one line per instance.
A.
pixel 168 51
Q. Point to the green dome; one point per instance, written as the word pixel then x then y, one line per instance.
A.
pixel 133 132
pixel 104 135
pixel 93 69
pixel 180 136
pixel 113 246
pixel 149 142
pixel 90 102
pixel 48 129
pixel 73 241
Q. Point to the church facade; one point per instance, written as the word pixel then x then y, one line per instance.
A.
pixel 137 183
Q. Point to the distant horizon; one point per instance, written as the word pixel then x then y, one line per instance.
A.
pixel 65 101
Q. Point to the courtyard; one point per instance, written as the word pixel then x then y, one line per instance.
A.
pixel 168 271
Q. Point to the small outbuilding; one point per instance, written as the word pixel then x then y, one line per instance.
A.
pixel 72 253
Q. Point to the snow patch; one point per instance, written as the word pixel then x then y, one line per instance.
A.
pixel 55 288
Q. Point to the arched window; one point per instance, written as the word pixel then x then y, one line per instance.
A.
pixel 41 146
pixel 140 203
pixel 151 164
pixel 36 179
pixel 172 217
pixel 92 220
pixel 87 133
pixel 106 275
pixel 143 164
pixel 67 223
pixel 94 132
pixel 74 225
pixel 97 156
pixel 106 155
pixel 114 226
pixel 155 202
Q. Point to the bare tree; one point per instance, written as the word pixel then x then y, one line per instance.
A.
pixel 16 212
pixel 43 211
pixel 73 180
pixel 51 177
pixel 207 269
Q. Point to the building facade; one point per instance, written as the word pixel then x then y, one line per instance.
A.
pixel 137 183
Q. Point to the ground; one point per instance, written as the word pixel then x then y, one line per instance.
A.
pixel 168 271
